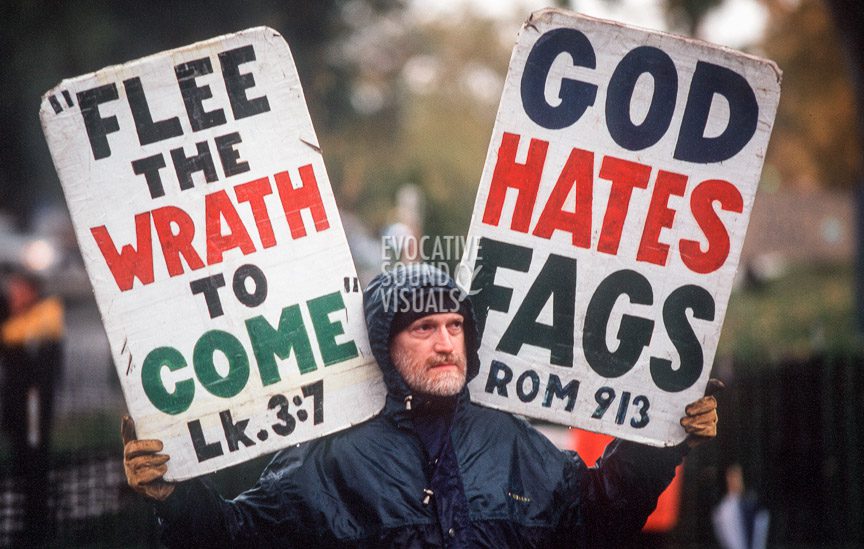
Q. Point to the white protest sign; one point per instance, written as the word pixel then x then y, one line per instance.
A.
pixel 610 218
pixel 209 230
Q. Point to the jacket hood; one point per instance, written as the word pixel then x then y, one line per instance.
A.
pixel 390 292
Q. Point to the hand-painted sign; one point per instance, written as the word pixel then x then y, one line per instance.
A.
pixel 206 219
pixel 610 219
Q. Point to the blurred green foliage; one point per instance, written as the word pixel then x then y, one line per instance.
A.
pixel 807 311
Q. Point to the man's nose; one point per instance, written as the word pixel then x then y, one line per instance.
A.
pixel 443 341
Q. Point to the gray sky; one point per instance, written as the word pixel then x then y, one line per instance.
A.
pixel 737 23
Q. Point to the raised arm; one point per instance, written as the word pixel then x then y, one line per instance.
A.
pixel 621 490
pixel 192 513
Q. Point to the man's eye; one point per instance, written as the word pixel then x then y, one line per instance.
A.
pixel 456 327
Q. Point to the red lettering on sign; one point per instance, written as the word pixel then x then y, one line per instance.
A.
pixel 625 176
pixel 702 205
pixel 577 177
pixel 254 192
pixel 294 200
pixel 578 172
pixel 176 244
pixel 218 207
pixel 130 262
pixel 660 217
pixel 525 178
pixel 224 228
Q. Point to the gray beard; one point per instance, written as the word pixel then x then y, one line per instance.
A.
pixel 444 384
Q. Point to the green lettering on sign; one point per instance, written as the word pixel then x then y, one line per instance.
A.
pixel 634 332
pixel 491 256
pixel 151 379
pixel 556 281
pixel 700 303
pixel 269 342
pixel 238 363
pixel 326 331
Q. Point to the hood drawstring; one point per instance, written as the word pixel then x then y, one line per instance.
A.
pixel 427 495
pixel 408 400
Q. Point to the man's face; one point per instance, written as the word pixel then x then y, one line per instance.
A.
pixel 430 354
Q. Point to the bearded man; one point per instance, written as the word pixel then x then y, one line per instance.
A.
pixel 431 469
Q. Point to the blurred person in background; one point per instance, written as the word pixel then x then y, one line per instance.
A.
pixel 740 522
pixel 31 359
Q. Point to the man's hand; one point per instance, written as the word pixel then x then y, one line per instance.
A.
pixel 700 420
pixel 143 464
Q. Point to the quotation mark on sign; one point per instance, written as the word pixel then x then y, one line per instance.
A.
pixel 55 103
pixel 352 284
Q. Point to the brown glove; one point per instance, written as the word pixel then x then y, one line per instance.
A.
pixel 143 464
pixel 700 420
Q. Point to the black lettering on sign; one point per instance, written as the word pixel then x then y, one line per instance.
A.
pixel 639 61
pixel 186 166
pixel 55 104
pixel 235 432
pixel 528 386
pixel 642 402
pixel 148 130
pixel 209 286
pixel 96 126
pixel 605 396
pixel 708 80
pixel 194 95
pixel 237 83
pixel 622 408
pixel 554 389
pixel 351 284
pixel 229 156
pixel 575 96
pixel 528 391
pixel 244 273
pixel 499 376
pixel 287 425
pixel 316 391
pixel 149 167
pixel 203 449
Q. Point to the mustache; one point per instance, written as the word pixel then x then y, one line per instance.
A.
pixel 448 358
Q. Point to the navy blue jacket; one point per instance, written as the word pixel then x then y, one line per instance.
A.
pixel 428 473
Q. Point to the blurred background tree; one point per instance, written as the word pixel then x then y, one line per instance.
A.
pixel 450 77
pixel 42 42
pixel 816 140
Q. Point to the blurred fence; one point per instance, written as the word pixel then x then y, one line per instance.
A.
pixel 795 428
pixel 88 504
